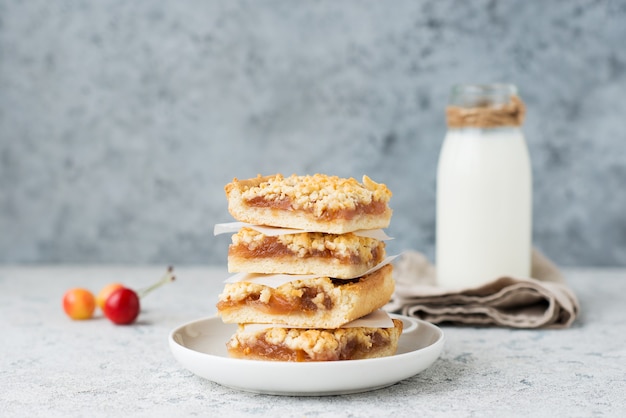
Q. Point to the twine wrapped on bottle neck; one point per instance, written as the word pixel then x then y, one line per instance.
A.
pixel 487 115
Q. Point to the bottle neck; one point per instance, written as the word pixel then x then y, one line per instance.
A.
pixel 485 106
pixel 471 130
pixel 481 95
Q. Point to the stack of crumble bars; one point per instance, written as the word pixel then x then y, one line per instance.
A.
pixel 312 270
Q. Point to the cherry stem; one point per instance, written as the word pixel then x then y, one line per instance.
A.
pixel 167 278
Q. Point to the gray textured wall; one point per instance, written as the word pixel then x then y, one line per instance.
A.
pixel 120 122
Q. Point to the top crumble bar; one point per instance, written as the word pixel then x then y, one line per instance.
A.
pixel 318 202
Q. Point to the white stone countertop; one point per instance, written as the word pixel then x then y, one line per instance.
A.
pixel 53 366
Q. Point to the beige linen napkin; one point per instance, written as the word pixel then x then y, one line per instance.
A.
pixel 545 301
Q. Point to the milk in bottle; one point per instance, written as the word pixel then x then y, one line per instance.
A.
pixel 484 189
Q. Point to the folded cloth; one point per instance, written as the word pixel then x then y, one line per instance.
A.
pixel 544 301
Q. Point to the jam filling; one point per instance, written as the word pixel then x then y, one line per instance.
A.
pixel 353 349
pixel 262 349
pixel 272 247
pixel 373 208
pixel 281 305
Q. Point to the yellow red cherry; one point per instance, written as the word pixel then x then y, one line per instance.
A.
pixel 106 291
pixel 79 303
pixel 123 305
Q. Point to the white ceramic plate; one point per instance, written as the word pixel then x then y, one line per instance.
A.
pixel 200 346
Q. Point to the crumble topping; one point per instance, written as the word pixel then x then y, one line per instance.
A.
pixel 311 243
pixel 318 193
pixel 294 290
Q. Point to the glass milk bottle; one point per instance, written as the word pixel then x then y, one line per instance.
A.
pixel 484 189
